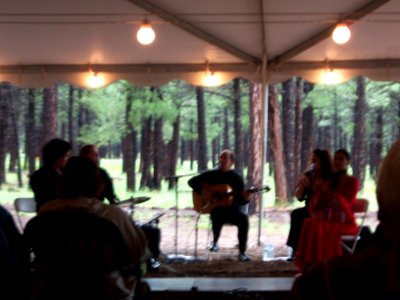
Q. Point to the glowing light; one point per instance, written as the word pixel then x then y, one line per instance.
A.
pixel 211 79
pixel 331 77
pixel 145 34
pixel 341 34
pixel 95 80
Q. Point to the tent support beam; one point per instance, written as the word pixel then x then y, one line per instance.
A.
pixel 200 33
pixel 182 68
pixel 304 46
pixel 341 64
pixel 127 68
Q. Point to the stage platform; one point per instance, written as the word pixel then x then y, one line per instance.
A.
pixel 220 288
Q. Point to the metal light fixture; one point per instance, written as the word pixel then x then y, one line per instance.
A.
pixel 145 34
pixel 341 34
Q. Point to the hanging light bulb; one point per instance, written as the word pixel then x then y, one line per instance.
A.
pixel 95 80
pixel 145 34
pixel 331 77
pixel 211 79
pixel 341 34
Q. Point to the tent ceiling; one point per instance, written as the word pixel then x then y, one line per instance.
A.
pixel 48 40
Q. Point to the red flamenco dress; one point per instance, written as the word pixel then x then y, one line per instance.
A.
pixel 320 234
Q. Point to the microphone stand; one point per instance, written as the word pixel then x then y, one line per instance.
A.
pixel 177 257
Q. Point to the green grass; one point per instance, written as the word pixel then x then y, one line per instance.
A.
pixel 164 198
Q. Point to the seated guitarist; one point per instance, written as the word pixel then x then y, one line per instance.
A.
pixel 229 212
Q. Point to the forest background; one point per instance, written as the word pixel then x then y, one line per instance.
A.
pixel 150 136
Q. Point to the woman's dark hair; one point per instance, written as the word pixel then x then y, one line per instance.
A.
pixel 54 149
pixel 344 152
pixel 325 162
pixel 80 178
pixel 338 174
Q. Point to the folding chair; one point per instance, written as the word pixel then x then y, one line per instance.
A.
pixel 25 205
pixel 360 209
pixel 76 256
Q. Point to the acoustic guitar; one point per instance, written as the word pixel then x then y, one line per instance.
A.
pixel 217 195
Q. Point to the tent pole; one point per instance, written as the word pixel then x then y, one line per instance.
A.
pixel 264 138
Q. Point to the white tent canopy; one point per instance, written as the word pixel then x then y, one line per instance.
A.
pixel 51 40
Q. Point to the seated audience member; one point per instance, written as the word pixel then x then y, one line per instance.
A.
pixel 321 169
pixel 80 187
pixel 373 273
pixel 14 260
pixel 342 183
pixel 92 152
pixel 331 215
pixel 153 234
pixel 45 182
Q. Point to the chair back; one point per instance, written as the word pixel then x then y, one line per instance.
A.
pixel 24 205
pixel 74 254
pixel 360 209
pixel 360 206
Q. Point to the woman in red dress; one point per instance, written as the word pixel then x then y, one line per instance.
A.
pixel 331 215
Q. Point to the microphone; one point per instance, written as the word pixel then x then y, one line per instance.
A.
pixel 254 189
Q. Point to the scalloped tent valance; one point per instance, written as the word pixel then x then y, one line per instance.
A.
pixel 45 41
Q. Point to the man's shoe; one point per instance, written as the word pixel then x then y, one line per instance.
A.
pixel 291 258
pixel 244 257
pixel 213 248
pixel 153 264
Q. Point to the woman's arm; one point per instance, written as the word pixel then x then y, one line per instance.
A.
pixel 302 188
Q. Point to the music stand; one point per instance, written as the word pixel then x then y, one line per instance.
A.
pixel 197 230
pixel 179 257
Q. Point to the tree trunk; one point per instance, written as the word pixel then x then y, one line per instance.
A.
pixel 276 145
pixel 298 127
pixel 215 145
pixel 71 121
pixel 335 124
pixel 192 146
pixel 81 116
pixel 201 128
pixel 288 120
pixel 146 153
pixel 359 143
pixel 378 139
pixel 238 127
pixel 254 176
pixel 15 135
pixel 173 151
pixel 226 144
pixel 308 140
pixel 158 153
pixel 129 147
pixel 49 114
pixel 5 95
pixel 31 148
